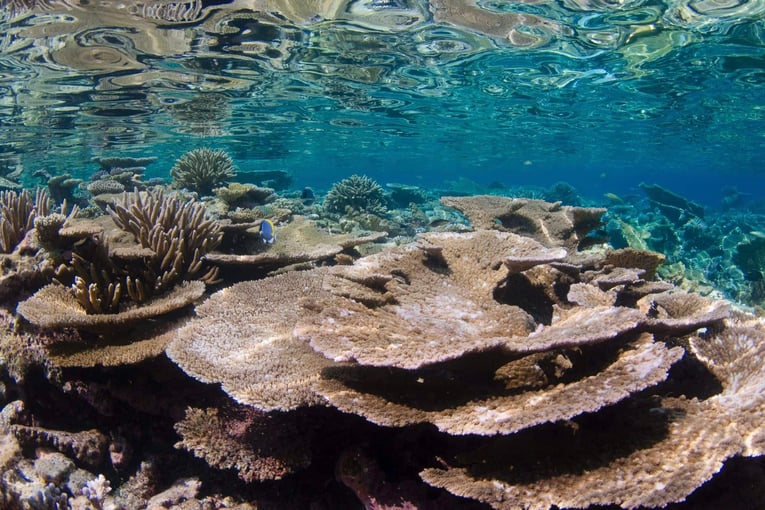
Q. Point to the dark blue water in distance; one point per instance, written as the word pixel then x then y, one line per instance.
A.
pixel 602 95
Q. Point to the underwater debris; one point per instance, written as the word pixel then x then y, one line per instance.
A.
pixel 354 195
pixel 202 170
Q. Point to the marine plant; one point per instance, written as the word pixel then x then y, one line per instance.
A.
pixel 202 170
pixel 356 194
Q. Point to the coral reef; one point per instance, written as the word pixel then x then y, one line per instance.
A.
pixel 299 241
pixel 17 216
pixel 244 195
pixel 257 445
pixel 549 223
pixel 354 195
pixel 489 334
pixel 202 170
pixel 177 232
pixel 500 367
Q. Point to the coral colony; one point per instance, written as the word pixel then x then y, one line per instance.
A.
pixel 156 353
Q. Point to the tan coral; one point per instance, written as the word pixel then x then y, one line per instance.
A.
pixel 242 338
pixel 584 294
pixel 54 306
pixel 441 303
pixel 642 365
pixel 680 312
pixel 87 446
pixel 699 437
pixel 125 348
pixel 549 223
pixel 301 240
pixel 642 259
pixel 257 445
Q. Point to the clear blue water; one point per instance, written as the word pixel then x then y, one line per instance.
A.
pixel 603 95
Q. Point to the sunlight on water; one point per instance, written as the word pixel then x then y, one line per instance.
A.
pixel 446 87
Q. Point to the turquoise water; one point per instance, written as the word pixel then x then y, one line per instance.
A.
pixel 603 95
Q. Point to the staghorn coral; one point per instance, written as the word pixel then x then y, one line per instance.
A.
pixel 354 195
pixel 177 232
pixel 17 215
pixel 201 170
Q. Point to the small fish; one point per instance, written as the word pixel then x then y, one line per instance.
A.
pixel 267 231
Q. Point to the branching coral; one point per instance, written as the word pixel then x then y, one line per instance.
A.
pixel 202 170
pixel 356 194
pixel 17 216
pixel 177 232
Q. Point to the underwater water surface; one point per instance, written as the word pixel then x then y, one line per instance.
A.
pixel 600 94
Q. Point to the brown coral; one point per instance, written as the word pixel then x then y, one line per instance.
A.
pixel 549 223
pixel 257 445
pixel 177 232
pixel 535 368
pixel 88 446
pixel 17 215
pixel 54 306
pixel 301 240
pixel 437 301
pixel 695 438
pixel 420 396
pixel 249 348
